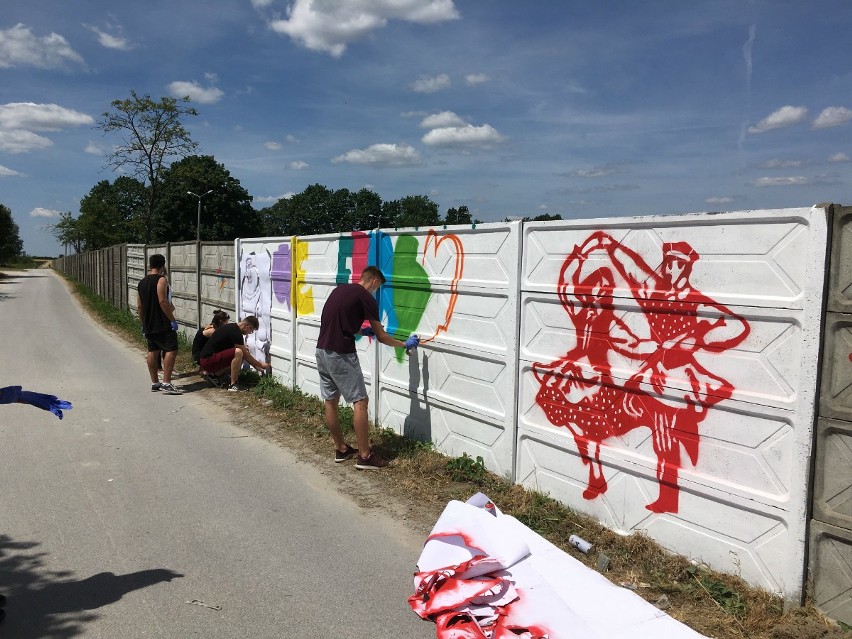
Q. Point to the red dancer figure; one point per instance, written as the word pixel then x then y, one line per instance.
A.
pixel 681 321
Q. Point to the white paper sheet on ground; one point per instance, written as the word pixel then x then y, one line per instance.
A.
pixel 463 532
pixel 557 596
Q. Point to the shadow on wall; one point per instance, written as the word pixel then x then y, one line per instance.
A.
pixel 418 424
pixel 44 603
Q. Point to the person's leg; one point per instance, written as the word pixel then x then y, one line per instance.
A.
pixel 236 365
pixel 151 361
pixel 168 366
pixel 362 427
pixel 332 421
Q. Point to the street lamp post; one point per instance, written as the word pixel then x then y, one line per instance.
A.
pixel 198 225
pixel 198 253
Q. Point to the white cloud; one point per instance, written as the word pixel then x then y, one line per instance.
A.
pixel 273 146
pixel 781 164
pixel 202 95
pixel 796 180
pixel 93 149
pixel 598 171
pixel 18 141
pixel 783 117
pixel 432 84
pixel 40 212
pixel 381 154
pixel 463 136
pixel 442 119
pixel 719 200
pixel 839 157
pixel 476 78
pixel 298 165
pixel 7 172
pixel 18 46
pixel 260 4
pixel 292 139
pixel 40 117
pixel 108 40
pixel 833 116
pixel 331 26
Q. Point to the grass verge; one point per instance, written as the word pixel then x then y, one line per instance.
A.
pixel 716 604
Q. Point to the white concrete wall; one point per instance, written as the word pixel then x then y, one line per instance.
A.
pixel 575 361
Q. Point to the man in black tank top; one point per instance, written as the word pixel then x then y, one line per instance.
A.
pixel 159 325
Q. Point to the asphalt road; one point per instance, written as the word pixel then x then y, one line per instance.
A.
pixel 137 503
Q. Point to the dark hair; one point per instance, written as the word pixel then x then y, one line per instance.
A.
pixel 372 272
pixel 251 320
pixel 220 317
pixel 156 261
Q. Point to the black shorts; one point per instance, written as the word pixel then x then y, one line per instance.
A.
pixel 163 341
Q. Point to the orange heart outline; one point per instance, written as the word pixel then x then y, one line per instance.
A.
pixel 454 284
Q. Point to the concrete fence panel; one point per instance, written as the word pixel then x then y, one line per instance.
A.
pixel 666 381
pixel 320 263
pixel 456 287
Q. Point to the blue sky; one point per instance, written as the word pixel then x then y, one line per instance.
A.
pixel 586 109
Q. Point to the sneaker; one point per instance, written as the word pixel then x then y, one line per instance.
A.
pixel 233 388
pixel 346 454
pixel 156 387
pixel 371 462
pixel 170 389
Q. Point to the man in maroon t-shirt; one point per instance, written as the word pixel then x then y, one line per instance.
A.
pixel 337 361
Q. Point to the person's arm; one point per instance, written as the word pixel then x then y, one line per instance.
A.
pixel 247 356
pixel 383 336
pixel 163 297
pixel 208 330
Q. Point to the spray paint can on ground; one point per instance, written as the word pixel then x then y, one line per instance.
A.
pixel 580 544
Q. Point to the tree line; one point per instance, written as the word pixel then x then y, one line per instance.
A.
pixel 157 199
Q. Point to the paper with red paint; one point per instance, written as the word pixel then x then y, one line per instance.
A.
pixel 535 590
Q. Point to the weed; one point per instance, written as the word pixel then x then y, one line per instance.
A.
pixel 466 468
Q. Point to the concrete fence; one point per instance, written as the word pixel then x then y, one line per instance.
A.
pixel 660 374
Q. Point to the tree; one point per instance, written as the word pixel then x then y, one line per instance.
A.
pixel 151 132
pixel 460 215
pixel 417 210
pixel 67 232
pixel 226 213
pixel 11 245
pixel 112 213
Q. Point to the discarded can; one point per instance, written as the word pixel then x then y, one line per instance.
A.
pixel 580 544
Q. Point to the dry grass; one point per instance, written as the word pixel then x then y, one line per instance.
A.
pixel 718 605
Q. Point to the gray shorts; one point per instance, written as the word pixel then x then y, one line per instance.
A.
pixel 340 374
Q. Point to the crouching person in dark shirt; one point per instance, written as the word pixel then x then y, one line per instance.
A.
pixel 226 350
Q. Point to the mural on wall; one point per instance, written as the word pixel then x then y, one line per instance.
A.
pixel 256 299
pixel 665 387
pixel 403 305
pixel 282 269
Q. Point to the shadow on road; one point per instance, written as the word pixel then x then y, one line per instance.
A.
pixel 44 603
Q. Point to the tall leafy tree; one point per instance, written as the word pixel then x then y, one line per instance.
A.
pixel 459 215
pixel 67 232
pixel 226 212
pixel 11 245
pixel 151 132
pixel 417 210
pixel 112 213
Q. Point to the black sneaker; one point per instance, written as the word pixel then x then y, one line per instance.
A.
pixel 156 387
pixel 234 388
pixel 169 389
pixel 371 462
pixel 346 454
